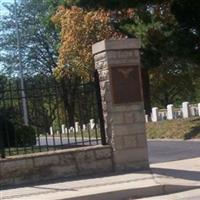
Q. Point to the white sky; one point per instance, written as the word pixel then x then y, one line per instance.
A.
pixel 3 11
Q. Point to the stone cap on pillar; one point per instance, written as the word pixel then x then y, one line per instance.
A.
pixel 120 44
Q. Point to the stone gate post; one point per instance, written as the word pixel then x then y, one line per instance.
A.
pixel 118 65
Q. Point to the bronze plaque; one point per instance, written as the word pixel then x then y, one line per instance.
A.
pixel 126 87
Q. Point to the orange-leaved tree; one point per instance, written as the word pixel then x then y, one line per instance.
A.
pixel 79 30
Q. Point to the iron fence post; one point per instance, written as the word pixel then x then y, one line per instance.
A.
pixel 2 149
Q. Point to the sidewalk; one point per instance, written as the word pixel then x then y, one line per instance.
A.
pixel 163 178
pixel 110 187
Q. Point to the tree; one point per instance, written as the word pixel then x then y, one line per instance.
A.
pixel 146 21
pixel 188 18
pixel 39 38
pixel 167 67
pixel 167 51
pixel 171 83
pixel 112 4
pixel 79 30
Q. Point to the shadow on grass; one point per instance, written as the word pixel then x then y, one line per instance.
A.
pixel 193 133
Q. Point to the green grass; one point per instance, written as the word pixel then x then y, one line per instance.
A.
pixel 174 129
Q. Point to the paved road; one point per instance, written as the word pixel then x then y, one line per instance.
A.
pixel 50 141
pixel 164 151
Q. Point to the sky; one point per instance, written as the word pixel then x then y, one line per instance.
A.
pixel 3 11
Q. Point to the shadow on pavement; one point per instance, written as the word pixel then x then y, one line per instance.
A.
pixel 182 174
pixel 165 151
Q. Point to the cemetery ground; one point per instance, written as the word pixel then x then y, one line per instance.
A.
pixel 174 129
pixel 182 129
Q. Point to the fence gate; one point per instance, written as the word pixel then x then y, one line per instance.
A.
pixel 61 114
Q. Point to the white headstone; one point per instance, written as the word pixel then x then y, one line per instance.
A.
pixel 51 130
pixel 185 109
pixel 92 124
pixel 63 129
pixel 71 129
pixel 66 130
pixel 84 127
pixel 146 118
pixel 154 116
pixel 170 112
pixel 76 126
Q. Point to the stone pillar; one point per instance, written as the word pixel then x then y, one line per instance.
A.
pixel 170 112
pixel 154 114
pixel 185 109
pixel 118 65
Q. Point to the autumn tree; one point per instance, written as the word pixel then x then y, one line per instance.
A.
pixel 79 30
pixel 167 68
pixel 130 19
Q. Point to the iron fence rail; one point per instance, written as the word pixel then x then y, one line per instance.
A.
pixel 61 114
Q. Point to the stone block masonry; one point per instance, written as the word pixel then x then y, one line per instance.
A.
pixel 47 166
pixel 118 65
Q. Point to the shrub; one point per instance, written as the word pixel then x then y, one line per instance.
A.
pixel 7 131
pixel 26 136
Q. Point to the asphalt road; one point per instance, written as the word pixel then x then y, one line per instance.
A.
pixel 164 151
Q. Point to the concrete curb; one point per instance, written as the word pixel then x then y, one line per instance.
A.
pixel 186 195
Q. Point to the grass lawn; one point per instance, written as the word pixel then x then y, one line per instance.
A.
pixel 174 129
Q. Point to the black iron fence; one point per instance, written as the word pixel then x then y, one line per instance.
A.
pixel 61 114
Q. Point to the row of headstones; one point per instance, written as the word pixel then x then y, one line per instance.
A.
pixel 171 113
pixel 75 129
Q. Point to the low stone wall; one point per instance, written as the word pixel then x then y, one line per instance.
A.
pixel 52 165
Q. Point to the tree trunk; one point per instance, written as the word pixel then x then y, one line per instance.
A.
pixel 70 112
pixel 146 90
pixel 69 94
